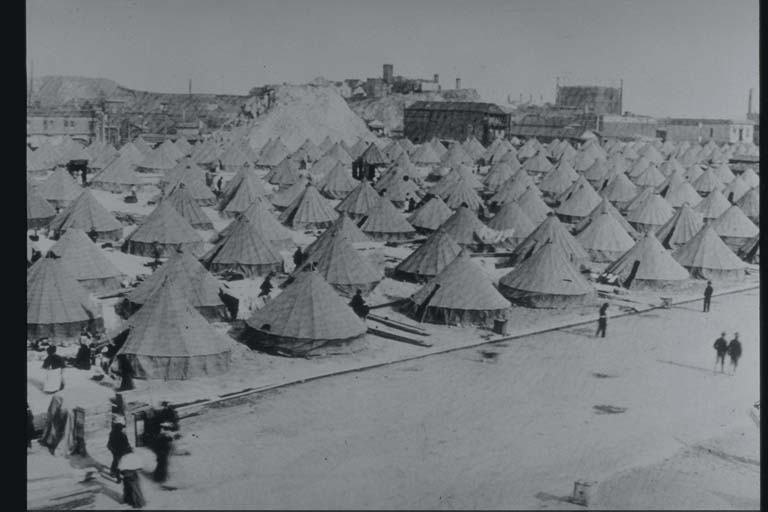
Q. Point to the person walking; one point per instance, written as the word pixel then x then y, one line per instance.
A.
pixel 734 352
pixel 298 257
pixel 602 321
pixel 129 467
pixel 721 347
pixel 118 445
pixel 163 449
pixel 219 183
pixel 83 357
pixel 266 287
pixel 708 296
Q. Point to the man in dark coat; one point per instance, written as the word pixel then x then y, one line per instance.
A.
pixel 266 287
pixel 126 373
pixel 708 296
pixel 721 347
pixel 117 445
pixel 602 321
pixel 298 257
pixel 358 305
pixel 734 352
pixel 163 448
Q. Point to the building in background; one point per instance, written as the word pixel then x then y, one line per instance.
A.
pixel 454 120
pixel 594 99
pixel 704 130
pixel 81 124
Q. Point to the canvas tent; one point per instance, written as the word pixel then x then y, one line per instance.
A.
pixel 646 265
pixel 85 262
pixel 88 214
pixel 707 257
pixel 683 225
pixel 430 258
pixel 244 251
pixel 163 231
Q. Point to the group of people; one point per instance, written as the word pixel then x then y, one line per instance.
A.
pixel 732 349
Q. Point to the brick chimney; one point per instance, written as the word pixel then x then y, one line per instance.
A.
pixel 458 83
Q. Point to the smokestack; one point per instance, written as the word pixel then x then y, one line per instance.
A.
pixel 437 78
pixel 389 70
pixel 458 83
pixel 749 104
pixel 190 87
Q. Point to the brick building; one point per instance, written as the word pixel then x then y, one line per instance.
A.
pixel 82 124
pixel 454 120
pixel 590 98
pixel 704 130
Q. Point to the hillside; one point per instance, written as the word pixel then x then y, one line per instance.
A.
pixel 389 110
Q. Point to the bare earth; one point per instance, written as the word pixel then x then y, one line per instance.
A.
pixel 507 426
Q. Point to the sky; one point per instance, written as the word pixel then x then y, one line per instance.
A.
pixel 695 58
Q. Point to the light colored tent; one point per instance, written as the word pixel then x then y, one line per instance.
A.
pixel 460 294
pixel 233 159
pixel 462 193
pixel 605 207
pixel 283 199
pixel 750 178
pixel 344 227
pixel 734 227
pixel 707 182
pixel 88 214
pixel 37 165
pixel 197 189
pixel 604 239
pixel 162 231
pixel 85 262
pixel 342 266
pixel 186 206
pixel 619 190
pixel 750 204
pixel 245 194
pixel 514 188
pixel 183 146
pixel 681 193
pixel 400 189
pixel 385 223
pixel 638 168
pixel 310 210
pixel 186 168
pixel 157 161
pixel 649 265
pixel 651 214
pixel 304 318
pixel 326 144
pixel 198 285
pixel 683 225
pixel 724 173
pixel 597 174
pixel 558 180
pixel 58 307
pixel 642 196
pixel 651 176
pixel 323 166
pixel 142 145
pixel 671 166
pixel 497 175
pixel 131 153
pixel 308 151
pixel 425 155
pixel 284 174
pixel 273 155
pixel 170 149
pixel 750 251
pixel 735 190
pixel 39 211
pixel 168 339
pixel 430 216
pixel 59 189
pixel 537 164
pixel 577 201
pixel 119 176
pixel 552 230
pixel 338 153
pixel 245 251
pixel 464 227
pixel 547 280
pixel 430 258
pixel 712 206
pixel 582 161
pixel 707 257
pixel 512 219
pixel 693 173
pixel 267 225
pixel 533 206
pixel 360 201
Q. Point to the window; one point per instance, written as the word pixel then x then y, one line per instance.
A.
pixel 741 134
pixel 711 132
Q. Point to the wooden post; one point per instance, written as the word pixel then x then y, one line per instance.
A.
pixel 78 428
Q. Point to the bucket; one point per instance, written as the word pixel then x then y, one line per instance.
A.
pixel 500 327
pixel 581 492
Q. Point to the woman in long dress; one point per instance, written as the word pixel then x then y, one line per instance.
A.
pixel 54 375
pixel 58 435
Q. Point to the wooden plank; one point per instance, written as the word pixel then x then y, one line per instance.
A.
pixel 399 325
pixel 397 337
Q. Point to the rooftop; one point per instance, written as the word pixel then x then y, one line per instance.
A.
pixel 464 106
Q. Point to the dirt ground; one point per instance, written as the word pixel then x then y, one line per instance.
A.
pixel 506 426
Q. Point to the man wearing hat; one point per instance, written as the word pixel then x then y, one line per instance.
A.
pixel 118 445
pixel 708 296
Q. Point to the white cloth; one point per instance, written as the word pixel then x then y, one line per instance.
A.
pixel 54 380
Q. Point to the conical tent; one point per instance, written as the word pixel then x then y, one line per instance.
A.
pixel 724 173
pixel 546 280
pixel 284 174
pixel 619 190
pixel 245 194
pixel 514 188
pixel 400 189
pixel 268 226
pixel 707 257
pixel 425 155
pixel 142 145
pixel 750 204
pixel 583 160
pixel 430 258
pixel 85 262
pixel 186 168
pixel 186 206
pixel 464 227
pixel 157 161
pixel 511 218
pixel 170 149
pixel 708 182
pixel 59 189
pixel 322 167
pixel 734 227
pixel 342 267
pixel 305 317
pixel 309 211
pixel 750 178
pixel 200 287
pixel 680 228
pixel 537 164
pixel 58 307
pixel 605 207
pixel 372 156
pixel 578 201
pixel 597 173
pixel 273 155
pixel 463 194
pixel 384 223
pixel 460 294
pixel 197 189
pixel 712 206
pixel 183 146
pixel 338 153
pixel 88 214
pixel 233 159
pixel 326 144
pixel 430 216
pixel 651 214
pixel 344 227
pixel 163 231
pixel 558 180
pixel 750 251
pixel 677 195
pixel 245 251
pixel 283 199
pixel 552 230
pixel 131 153
pixel 169 339
pixel 735 190
pixel 642 196
pixel 604 239
pixel 119 176
pixel 651 176
pixel 647 265
pixel 533 206
pixel 360 201
pixel 497 175
pixel 39 211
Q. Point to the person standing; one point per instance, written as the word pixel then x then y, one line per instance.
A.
pixel 734 352
pixel 129 467
pixel 219 183
pixel 358 304
pixel 118 445
pixel 602 321
pixel 126 373
pixel 83 357
pixel 721 347
pixel 298 257
pixel 708 296
pixel 54 376
pixel 266 287
pixel 163 449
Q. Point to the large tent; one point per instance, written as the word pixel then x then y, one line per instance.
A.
pixel 196 188
pixel 651 214
pixel 605 206
pixel 284 198
pixel 707 257
pixel 558 180
pixel 186 206
pixel 118 177
pixel 460 294
pixel 497 175
pixel 712 206
pixel 646 265
pixel 683 225
pixel 619 190
pixel 85 262
pixel 734 227
pixel 551 229
pixel 385 223
pixel 577 201
pixel 266 223
pixel 513 220
pixel 239 197
pixel 344 227
pixel 60 189
pixel 604 238
pixel 39 211
pixel 547 279
pixel 245 250
pixel 750 204
pixel 464 227
pixel 750 251
pixel 359 202
pixel 163 231
pixel 88 214
pixel 430 216
pixel 310 210
pixel 430 258
pixel 533 205
pixel 462 193
pixel 58 307
pixel 168 339
pixel 307 316
pixel 338 182
pixel 200 287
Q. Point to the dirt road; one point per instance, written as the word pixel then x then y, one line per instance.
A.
pixel 511 425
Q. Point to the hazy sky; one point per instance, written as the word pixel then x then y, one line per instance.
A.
pixel 677 57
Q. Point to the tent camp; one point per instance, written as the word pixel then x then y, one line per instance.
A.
pixel 683 225
pixel 360 201
pixel 186 206
pixel 430 215
pixel 385 223
pixel 605 207
pixel 284 198
pixel 429 259
pixel 551 229
pixel 344 227
pixel 88 214
pixel 512 219
pixel 577 201
pixel 161 233
pixel 604 239
pixel 85 262
pixel 707 257
pixel 244 251
pixel 651 214
pixel 338 182
pixel 265 223
pixel 646 265
pixel 309 210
